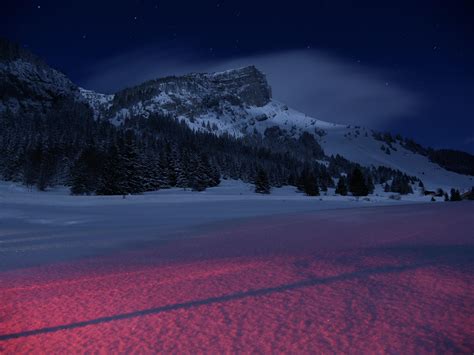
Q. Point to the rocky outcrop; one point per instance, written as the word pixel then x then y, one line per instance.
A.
pixel 27 85
pixel 248 83
pixel 194 94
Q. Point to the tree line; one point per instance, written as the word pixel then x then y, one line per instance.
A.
pixel 68 146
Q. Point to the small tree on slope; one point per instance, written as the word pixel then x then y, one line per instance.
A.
pixel 455 195
pixel 341 188
pixel 311 187
pixel 262 186
pixel 357 185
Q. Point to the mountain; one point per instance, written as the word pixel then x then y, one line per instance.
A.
pixel 237 103
pixel 27 84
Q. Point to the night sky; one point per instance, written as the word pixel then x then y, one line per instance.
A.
pixel 403 66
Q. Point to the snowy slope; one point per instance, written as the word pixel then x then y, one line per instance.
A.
pixel 366 151
pixel 98 102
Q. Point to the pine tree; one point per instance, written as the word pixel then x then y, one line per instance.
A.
pixel 32 164
pixel 262 186
pixel 455 195
pixel 401 185
pixel 173 162
pixel 341 188
pixel 113 180
pixel 470 195
pixel 215 176
pixel 370 185
pixel 310 187
pixel 200 178
pixel 164 168
pixel 151 172
pixel 357 185
pixel 79 182
pixel 131 166
pixel 84 172
pixel 79 176
pixel 47 169
pixel 182 171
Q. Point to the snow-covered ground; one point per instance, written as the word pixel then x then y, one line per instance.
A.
pixel 220 272
pixel 53 225
pixel 58 224
pixel 227 191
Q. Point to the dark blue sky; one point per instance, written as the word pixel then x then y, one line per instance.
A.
pixel 423 51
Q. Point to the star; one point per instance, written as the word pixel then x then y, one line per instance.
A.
pixel 38 7
pixel 84 36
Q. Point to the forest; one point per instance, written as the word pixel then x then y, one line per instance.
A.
pixel 67 146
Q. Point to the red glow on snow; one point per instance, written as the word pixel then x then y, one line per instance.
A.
pixel 277 286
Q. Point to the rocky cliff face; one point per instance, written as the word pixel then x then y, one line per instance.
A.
pixel 191 95
pixel 27 85
pixel 249 84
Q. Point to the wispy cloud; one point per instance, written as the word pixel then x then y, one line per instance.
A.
pixel 317 83
pixel 469 140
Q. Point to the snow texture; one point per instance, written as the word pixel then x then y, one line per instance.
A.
pixel 220 272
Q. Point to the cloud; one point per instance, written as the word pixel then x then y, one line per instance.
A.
pixel 469 140
pixel 317 83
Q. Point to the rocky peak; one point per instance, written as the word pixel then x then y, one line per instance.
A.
pixel 27 84
pixel 248 83
pixel 10 51
pixel 247 86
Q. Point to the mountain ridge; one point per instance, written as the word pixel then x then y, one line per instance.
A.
pixel 237 102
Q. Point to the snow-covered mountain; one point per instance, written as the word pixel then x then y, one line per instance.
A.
pixel 29 85
pixel 237 102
